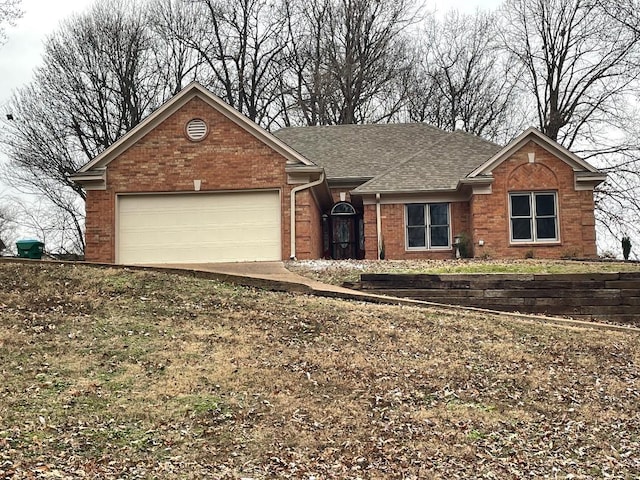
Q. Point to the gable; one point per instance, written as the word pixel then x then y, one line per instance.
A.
pixel 533 135
pixel 93 175
pixel 227 157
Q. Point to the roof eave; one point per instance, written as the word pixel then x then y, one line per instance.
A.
pixel 92 180
pixel 404 192
pixel 588 180
pixel 480 180
pixel 303 169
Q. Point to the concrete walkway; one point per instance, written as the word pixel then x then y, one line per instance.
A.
pixel 274 276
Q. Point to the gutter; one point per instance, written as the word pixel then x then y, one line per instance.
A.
pixel 378 224
pixel 292 213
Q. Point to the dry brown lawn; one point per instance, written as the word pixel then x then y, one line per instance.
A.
pixel 112 373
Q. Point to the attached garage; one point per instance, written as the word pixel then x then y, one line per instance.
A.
pixel 198 227
pixel 198 182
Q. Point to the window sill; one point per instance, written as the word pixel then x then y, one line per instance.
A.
pixel 538 243
pixel 418 249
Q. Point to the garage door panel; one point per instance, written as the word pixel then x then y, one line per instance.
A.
pixel 193 228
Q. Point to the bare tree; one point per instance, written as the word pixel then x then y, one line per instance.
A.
pixel 98 80
pixel 461 81
pixel 7 225
pixel 10 11
pixel 172 22
pixel 99 70
pixel 308 95
pixel 239 44
pixel 348 60
pixel 579 64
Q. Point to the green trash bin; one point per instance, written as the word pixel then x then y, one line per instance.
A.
pixel 30 248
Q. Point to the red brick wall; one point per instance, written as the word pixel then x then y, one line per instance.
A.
pixel 336 191
pixel 393 232
pixel 489 213
pixel 370 233
pixel 308 226
pixel 164 160
pixel 99 235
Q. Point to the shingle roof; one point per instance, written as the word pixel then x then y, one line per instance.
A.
pixel 396 157
pixel 438 167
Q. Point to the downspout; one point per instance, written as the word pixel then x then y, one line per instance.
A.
pixel 378 224
pixel 293 210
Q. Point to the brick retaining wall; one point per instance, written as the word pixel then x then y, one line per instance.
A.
pixel 592 296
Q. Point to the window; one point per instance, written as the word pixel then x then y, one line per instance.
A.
pixel 428 226
pixel 534 217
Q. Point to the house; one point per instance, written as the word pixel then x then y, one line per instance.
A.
pixel 197 181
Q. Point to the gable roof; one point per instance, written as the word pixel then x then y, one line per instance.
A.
pixel 360 151
pixel 171 106
pixel 391 157
pixel 438 167
pixel 404 158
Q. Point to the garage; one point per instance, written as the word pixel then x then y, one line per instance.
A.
pixel 198 227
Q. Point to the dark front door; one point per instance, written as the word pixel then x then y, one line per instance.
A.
pixel 344 243
pixel 343 231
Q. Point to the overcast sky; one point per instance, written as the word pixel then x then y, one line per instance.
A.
pixel 22 53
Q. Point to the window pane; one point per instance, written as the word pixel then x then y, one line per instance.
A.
pixel 439 214
pixel 416 236
pixel 343 208
pixel 520 206
pixel 415 215
pixel 546 228
pixel 521 229
pixel 439 236
pixel 545 204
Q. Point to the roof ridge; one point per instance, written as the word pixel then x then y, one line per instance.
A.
pixel 478 137
pixel 361 125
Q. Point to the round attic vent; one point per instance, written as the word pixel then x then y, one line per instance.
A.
pixel 196 129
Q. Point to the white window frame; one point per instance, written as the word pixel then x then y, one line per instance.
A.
pixel 427 228
pixel 532 218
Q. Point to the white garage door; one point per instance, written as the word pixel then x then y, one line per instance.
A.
pixel 199 228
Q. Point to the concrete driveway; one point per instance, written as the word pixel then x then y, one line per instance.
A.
pixel 273 275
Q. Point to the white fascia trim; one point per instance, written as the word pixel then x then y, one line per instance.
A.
pixel 588 182
pixel 436 197
pixel 94 180
pixel 543 141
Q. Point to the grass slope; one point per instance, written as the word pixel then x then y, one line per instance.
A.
pixel 122 374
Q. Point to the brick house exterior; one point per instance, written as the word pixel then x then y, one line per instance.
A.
pixel 196 182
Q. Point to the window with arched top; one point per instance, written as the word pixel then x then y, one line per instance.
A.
pixel 343 208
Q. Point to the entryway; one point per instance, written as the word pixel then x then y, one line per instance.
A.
pixel 343 232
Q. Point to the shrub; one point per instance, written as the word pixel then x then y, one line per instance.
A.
pixel 464 245
pixel 626 247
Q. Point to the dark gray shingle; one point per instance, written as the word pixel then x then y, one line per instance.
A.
pixel 397 157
